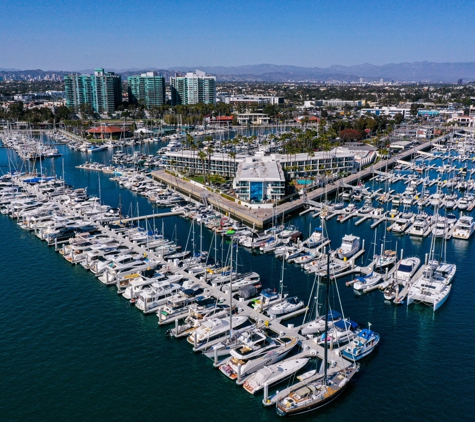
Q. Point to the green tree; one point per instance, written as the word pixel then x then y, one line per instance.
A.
pixel 16 110
pixel 86 110
pixel 63 113
pixel 202 158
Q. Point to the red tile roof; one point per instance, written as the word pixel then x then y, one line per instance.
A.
pixel 106 129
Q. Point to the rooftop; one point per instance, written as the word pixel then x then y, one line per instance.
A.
pixel 107 129
pixel 260 169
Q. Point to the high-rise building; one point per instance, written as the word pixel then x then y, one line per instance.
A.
pixel 193 88
pixel 103 91
pixel 148 88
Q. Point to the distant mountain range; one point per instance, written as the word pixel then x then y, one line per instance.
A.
pixel 406 72
pixel 415 71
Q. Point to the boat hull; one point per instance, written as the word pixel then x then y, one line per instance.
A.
pixel 310 407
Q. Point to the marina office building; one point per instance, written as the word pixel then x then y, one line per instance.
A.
pixel 338 160
pixel 102 90
pixel 193 88
pixel 259 179
pixel 148 88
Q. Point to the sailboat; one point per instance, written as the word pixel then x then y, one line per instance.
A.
pixel 322 391
pixel 286 305
pixel 434 285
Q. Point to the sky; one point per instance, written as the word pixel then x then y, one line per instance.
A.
pixel 125 34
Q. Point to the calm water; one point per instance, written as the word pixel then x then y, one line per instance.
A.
pixel 72 349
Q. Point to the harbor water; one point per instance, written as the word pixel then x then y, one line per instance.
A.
pixel 71 348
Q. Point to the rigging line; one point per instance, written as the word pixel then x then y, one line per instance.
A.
pixel 307 310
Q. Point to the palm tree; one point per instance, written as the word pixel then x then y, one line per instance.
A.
pixel 232 154
pixel 190 143
pixel 210 152
pixel 202 157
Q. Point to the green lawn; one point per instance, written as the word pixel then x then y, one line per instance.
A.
pixel 199 179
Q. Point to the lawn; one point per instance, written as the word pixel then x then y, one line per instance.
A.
pixel 199 179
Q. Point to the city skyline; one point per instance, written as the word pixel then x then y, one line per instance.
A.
pixel 73 36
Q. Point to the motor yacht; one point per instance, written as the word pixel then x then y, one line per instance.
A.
pixel 362 345
pixel 464 228
pixel 420 226
pixel 212 328
pixel 273 373
pixel 235 368
pixel 156 295
pixel 349 246
pixel 406 268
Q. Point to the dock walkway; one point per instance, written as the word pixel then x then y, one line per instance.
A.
pixel 309 347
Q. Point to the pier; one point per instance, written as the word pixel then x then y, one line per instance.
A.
pixel 309 347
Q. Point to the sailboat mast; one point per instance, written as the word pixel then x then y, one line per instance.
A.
pixel 327 308
pixel 231 293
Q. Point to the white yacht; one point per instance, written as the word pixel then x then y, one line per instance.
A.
pixel 464 227
pixel 406 269
pixel 440 227
pixel 420 226
pixel 400 225
pixel 387 258
pixel 230 367
pixel 349 246
pixel 134 285
pixel 273 373
pixel 212 328
pixel 315 239
pixel 462 203
pixel 156 295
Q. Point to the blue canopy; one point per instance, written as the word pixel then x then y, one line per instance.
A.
pixel 346 325
pixel 268 293
pixel 365 333
pixel 334 315
pixel 317 229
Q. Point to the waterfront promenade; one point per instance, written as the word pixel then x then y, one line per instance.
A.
pixel 263 217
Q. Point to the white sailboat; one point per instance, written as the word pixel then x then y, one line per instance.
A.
pixel 323 390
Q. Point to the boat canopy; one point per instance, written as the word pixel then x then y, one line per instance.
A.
pixel 365 333
pixel 346 325
pixel 247 291
pixel 269 293
pixel 334 315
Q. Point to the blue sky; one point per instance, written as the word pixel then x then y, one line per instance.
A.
pixel 121 34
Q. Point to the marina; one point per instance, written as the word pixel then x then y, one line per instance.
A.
pixel 285 325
